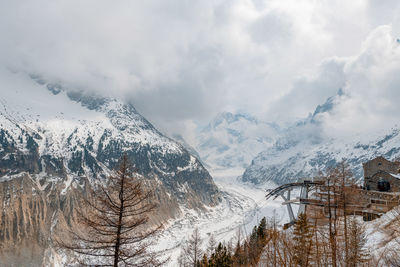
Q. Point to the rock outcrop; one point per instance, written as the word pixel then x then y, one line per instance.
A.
pixel 55 142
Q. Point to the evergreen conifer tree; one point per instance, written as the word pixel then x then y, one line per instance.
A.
pixel 302 241
pixel 204 261
pixel 239 257
pixel 221 257
pixel 262 229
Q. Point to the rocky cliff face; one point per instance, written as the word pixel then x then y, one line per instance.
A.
pixel 54 142
pixel 29 214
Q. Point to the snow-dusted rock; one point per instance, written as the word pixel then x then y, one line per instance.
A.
pixel 303 151
pixel 54 141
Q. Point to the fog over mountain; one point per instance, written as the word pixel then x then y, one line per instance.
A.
pixel 188 62
pixel 302 152
pixel 231 141
pixel 57 142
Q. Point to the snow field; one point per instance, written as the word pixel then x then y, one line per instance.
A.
pixel 241 208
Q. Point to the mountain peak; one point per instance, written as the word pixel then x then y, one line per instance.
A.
pixel 81 134
pixel 328 105
pixel 229 118
pixel 232 139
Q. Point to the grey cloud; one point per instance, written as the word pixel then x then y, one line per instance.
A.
pixel 274 29
pixel 372 88
pixel 180 61
pixel 309 92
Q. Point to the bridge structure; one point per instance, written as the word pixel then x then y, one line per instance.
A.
pixel 361 202
pixel 285 192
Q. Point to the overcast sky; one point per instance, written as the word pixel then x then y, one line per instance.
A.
pixel 182 61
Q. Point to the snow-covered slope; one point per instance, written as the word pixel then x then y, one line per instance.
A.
pixel 303 151
pixel 306 160
pixel 68 132
pixel 242 207
pixel 232 140
pixel 54 141
pixel 382 242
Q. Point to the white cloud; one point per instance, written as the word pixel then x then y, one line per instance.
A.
pixel 372 88
pixel 308 92
pixel 182 60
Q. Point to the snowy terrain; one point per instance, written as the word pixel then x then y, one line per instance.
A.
pixel 306 160
pixel 304 149
pixel 242 207
pixel 30 105
pixel 42 123
pixel 377 240
pixel 288 154
pixel 271 153
pixel 233 140
pixel 55 141
pixel 70 133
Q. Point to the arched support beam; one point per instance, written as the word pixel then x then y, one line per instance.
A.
pixel 303 195
pixel 305 188
pixel 288 205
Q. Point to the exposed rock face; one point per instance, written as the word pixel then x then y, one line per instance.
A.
pixel 54 142
pixel 32 216
pixel 28 216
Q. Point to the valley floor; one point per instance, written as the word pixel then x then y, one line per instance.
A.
pixel 242 206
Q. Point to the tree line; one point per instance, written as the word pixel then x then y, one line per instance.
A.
pixel 269 245
pixel 112 229
pixel 331 238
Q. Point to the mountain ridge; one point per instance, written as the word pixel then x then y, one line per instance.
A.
pixel 54 142
pixel 233 139
pixel 303 151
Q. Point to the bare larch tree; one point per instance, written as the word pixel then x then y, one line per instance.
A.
pixel 112 227
pixel 191 251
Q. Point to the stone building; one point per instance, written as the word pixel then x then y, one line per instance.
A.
pixel 382 175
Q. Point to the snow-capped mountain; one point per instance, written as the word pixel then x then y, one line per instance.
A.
pixel 46 128
pixel 53 141
pixel 302 151
pixel 232 140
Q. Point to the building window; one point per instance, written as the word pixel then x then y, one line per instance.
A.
pixel 383 185
pixel 367 217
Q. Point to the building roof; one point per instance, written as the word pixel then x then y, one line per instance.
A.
pixel 395 175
